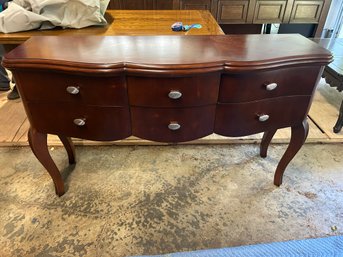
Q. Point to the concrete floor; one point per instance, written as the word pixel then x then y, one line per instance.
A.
pixel 126 201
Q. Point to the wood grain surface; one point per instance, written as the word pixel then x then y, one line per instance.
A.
pixel 166 54
pixel 131 22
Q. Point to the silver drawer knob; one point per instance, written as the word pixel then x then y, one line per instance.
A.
pixel 174 94
pixel 73 90
pixel 174 126
pixel 263 117
pixel 271 86
pixel 80 122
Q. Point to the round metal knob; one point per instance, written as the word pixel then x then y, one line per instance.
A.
pixel 174 126
pixel 73 90
pixel 174 94
pixel 80 122
pixel 271 86
pixel 263 117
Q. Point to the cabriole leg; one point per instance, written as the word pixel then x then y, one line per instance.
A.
pixel 39 146
pixel 298 137
pixel 267 137
pixel 69 146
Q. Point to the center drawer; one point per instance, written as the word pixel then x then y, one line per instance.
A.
pixel 173 91
pixel 246 87
pixel 172 125
pixel 81 121
pixel 61 87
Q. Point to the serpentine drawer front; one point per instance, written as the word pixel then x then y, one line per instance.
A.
pixel 82 121
pixel 260 85
pixel 174 92
pixel 165 88
pixel 64 87
pixel 258 116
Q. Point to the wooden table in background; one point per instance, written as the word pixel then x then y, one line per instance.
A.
pixel 131 22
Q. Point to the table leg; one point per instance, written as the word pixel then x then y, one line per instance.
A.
pixel 298 137
pixel 339 124
pixel 69 146
pixel 267 137
pixel 39 146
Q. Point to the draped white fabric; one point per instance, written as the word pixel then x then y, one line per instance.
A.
pixel 23 15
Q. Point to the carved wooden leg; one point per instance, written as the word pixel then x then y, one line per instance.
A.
pixel 38 143
pixel 339 124
pixel 69 146
pixel 267 137
pixel 298 137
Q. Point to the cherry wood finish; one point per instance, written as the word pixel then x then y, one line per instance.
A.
pixel 298 136
pixel 266 139
pixel 152 123
pixel 195 91
pixel 38 144
pixel 102 123
pixel 51 86
pixel 220 83
pixel 253 85
pixel 246 115
pixel 68 145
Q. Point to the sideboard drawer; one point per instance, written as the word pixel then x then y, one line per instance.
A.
pixel 188 91
pixel 245 87
pixel 100 123
pixel 258 116
pixel 52 86
pixel 172 125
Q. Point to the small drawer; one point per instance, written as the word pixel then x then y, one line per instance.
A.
pixel 173 92
pixel 87 122
pixel 172 125
pixel 255 117
pixel 61 87
pixel 245 87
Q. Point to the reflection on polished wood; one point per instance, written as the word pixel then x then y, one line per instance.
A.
pixel 131 22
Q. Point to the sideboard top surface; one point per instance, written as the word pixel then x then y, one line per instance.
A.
pixel 166 53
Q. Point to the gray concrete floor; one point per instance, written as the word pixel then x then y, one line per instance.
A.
pixel 126 201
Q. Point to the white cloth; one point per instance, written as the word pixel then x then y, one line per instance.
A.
pixel 23 15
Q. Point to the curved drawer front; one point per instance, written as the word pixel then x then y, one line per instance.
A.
pixel 255 117
pixel 93 123
pixel 172 125
pixel 174 92
pixel 245 87
pixel 61 87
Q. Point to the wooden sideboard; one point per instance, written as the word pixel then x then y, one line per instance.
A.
pixel 165 88
pixel 244 11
